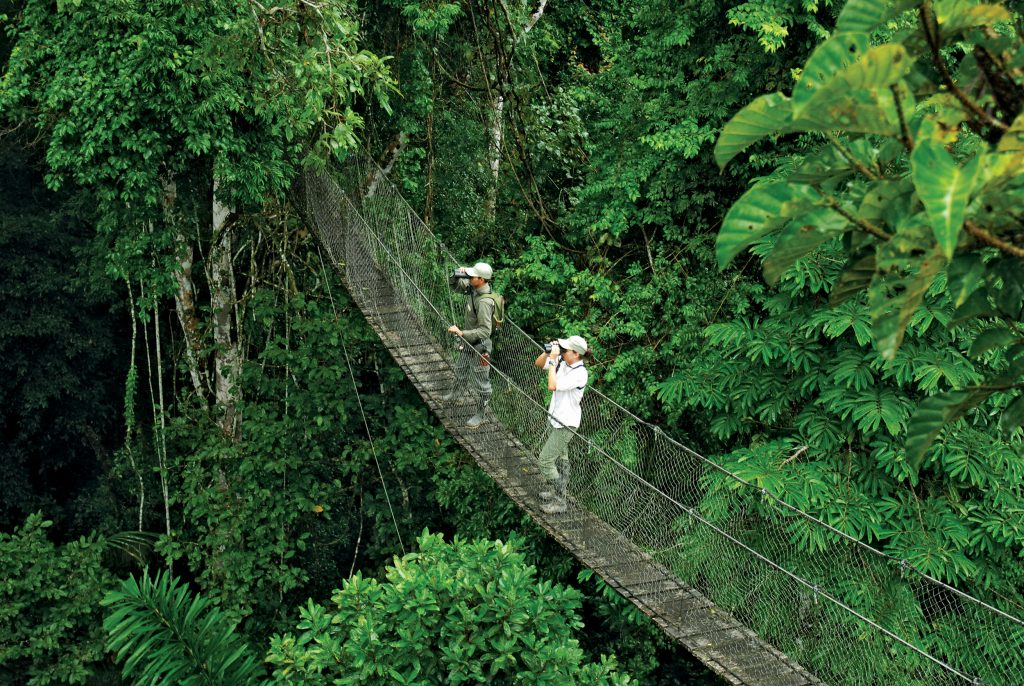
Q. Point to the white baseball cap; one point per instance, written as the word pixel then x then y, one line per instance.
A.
pixel 574 343
pixel 481 269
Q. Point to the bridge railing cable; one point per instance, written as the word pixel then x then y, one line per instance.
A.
pixel 847 611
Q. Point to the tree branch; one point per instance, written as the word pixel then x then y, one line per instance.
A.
pixel 849 157
pixel 908 142
pixel 947 78
pixel 863 224
pixel 984 236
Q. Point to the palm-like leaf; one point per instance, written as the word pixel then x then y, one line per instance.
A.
pixel 162 634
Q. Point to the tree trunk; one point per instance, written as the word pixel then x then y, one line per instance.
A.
pixel 185 297
pixel 222 299
pixel 494 153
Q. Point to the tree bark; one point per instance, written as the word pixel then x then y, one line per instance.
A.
pixel 185 297
pixel 222 299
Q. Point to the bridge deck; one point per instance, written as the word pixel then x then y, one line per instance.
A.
pixel 727 647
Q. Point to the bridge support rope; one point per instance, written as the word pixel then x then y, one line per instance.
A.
pixel 707 556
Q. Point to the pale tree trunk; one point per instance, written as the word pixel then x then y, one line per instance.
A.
pixel 381 173
pixel 497 136
pixel 222 299
pixel 185 296
pixel 494 154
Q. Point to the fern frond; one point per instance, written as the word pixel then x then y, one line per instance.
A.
pixel 161 633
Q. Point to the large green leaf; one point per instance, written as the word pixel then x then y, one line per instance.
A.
pixel 944 188
pixel 855 278
pixel 801 237
pixel 932 414
pixel 761 210
pixel 865 15
pixel 956 15
pixel 1013 138
pixel 863 111
pixel 1009 296
pixel 975 306
pixel 828 164
pixel 765 116
pixel 906 267
pixel 827 60
pixel 1013 415
pixel 989 339
pixel 964 275
pixel 877 68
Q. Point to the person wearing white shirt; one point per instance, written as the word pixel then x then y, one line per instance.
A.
pixel 567 378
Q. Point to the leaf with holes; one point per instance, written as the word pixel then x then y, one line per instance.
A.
pixel 767 115
pixel 761 210
pixel 827 60
pixel 865 15
pixel 944 188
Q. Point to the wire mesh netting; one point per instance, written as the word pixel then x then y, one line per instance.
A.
pixel 845 611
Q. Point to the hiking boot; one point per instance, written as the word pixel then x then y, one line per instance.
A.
pixel 480 417
pixel 554 506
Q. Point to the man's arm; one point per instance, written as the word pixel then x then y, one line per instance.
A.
pixel 484 321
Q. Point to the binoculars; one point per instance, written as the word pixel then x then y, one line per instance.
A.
pixel 459 273
pixel 547 347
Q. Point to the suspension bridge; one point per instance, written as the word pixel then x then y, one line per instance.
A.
pixel 727 569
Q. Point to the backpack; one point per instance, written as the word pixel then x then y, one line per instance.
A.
pixel 498 317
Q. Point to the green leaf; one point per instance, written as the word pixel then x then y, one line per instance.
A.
pixel 855 278
pixel 863 111
pixel 767 115
pixel 932 414
pixel 964 275
pixel 827 60
pixel 1013 415
pixel 944 188
pixel 1013 138
pixel 865 15
pixel 977 305
pixel 761 210
pixel 1009 296
pixel 906 267
pixel 879 67
pixel 801 237
pixel 954 16
pixel 990 339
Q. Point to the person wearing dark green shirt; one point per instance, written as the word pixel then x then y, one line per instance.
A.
pixel 472 366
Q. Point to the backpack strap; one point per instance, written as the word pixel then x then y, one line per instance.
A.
pixel 499 306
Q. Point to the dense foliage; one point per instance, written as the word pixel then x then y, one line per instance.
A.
pixel 454 612
pixel 178 360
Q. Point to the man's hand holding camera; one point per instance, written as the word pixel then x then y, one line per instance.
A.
pixel 555 350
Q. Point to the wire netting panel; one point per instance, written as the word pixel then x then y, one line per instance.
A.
pixel 849 613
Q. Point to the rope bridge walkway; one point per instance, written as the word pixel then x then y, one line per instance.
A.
pixel 762 593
